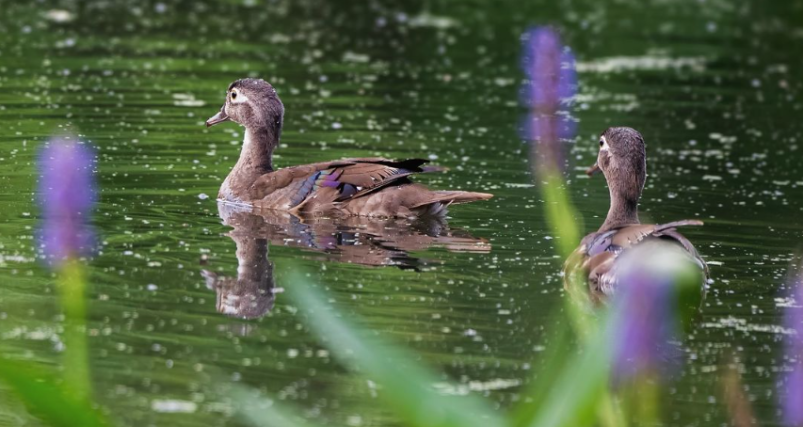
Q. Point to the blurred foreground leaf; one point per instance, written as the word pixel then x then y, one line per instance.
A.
pixel 406 386
pixel 560 214
pixel 263 412
pixel 55 405
pixel 572 387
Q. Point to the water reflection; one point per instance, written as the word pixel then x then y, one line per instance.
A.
pixel 356 240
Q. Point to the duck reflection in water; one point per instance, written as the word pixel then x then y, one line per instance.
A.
pixel 357 240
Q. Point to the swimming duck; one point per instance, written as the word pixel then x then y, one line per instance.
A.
pixel 622 159
pixel 375 187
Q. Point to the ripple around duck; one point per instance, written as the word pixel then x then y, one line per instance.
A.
pixel 717 106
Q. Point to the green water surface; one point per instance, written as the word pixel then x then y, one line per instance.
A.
pixel 713 85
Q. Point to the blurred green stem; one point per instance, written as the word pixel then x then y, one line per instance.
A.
pixel 72 289
pixel 560 213
pixel 591 386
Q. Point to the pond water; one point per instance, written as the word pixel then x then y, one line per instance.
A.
pixel 712 85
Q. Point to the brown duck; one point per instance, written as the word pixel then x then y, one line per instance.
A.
pixel 374 187
pixel 622 159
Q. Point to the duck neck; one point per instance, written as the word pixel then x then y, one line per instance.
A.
pixel 623 211
pixel 257 152
pixel 256 159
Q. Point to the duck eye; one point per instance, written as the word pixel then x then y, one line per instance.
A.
pixel 601 143
pixel 234 95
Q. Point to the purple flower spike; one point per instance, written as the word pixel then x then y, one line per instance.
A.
pixel 793 319
pixel 644 326
pixel 551 84
pixel 66 196
pixel 550 69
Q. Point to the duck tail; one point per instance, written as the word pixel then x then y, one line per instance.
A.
pixel 453 197
pixel 437 202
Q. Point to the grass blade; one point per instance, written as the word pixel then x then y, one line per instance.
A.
pixel 406 385
pixel 55 405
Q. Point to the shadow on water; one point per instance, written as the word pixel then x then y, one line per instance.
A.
pixel 354 240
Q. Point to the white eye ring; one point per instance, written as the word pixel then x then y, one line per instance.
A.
pixel 237 97
pixel 603 143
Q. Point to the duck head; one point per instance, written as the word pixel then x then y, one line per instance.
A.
pixel 252 103
pixel 622 159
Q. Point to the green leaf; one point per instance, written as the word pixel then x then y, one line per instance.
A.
pixel 578 395
pixel 406 386
pixel 53 404
pixel 263 412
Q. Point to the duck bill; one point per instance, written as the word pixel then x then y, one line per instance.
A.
pixel 220 117
pixel 593 170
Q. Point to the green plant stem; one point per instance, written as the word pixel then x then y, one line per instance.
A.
pixel 560 213
pixel 72 289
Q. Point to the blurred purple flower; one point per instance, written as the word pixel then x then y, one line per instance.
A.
pixel 644 326
pixel 551 83
pixel 793 320
pixel 66 197
pixel 550 69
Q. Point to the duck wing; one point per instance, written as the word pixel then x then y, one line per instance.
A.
pixel 598 252
pixel 328 182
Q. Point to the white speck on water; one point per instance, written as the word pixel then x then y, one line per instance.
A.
pixel 292 353
pixel 354 420
pixel 173 406
pixel 427 20
pixel 151 287
pixel 502 82
pixel 640 63
pixel 203 196
pixel 278 38
pixel 68 42
pixel 433 157
pixel 59 16
pixel 476 386
pixel 355 57
pixel 336 125
pixel 786 302
pixel 187 100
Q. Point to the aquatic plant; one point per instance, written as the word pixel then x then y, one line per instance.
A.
pixel 550 85
pixel 792 399
pixel 644 323
pixel 66 196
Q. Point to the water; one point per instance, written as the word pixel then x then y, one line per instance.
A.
pixel 711 85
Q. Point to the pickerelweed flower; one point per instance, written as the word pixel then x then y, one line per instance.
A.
pixel 645 324
pixel 66 196
pixel 793 320
pixel 550 86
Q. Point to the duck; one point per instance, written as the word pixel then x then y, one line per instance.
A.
pixel 622 239
pixel 370 187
